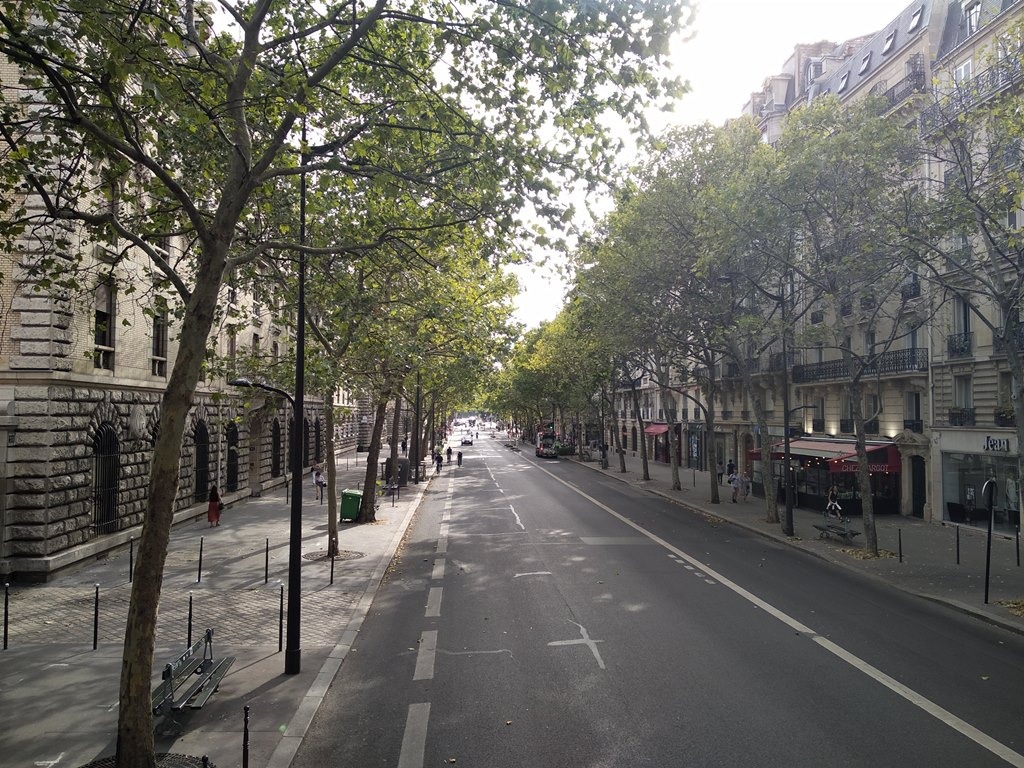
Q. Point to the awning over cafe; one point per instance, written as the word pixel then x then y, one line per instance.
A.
pixel 656 429
pixel 881 458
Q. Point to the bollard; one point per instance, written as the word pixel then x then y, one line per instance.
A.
pixel 206 762
pixel 245 738
pixel 899 542
pixel 96 620
pixel 957 544
pixel 266 564
pixel 189 619
pixel 286 489
pixel 333 558
pixel 199 575
pixel 988 491
pixel 280 624
pixel 7 604
pixel 131 558
pixel 1018 546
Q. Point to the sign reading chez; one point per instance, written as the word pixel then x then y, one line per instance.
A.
pixel 1000 444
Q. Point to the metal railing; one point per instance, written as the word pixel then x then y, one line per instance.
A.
pixel 965 96
pixel 893 362
pixel 960 344
pixel 961 417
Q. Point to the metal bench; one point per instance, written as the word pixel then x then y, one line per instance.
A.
pixel 190 680
pixel 829 528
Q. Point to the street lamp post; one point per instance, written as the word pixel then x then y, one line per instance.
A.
pixel 293 651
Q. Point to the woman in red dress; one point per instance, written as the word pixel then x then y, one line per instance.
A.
pixel 214 507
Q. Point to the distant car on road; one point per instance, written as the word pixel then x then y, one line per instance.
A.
pixel 467 440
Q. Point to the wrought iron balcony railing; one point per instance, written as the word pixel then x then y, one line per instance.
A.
pixel 914 425
pixel 961 417
pixel 965 96
pixel 817 425
pixel 893 362
pixel 846 426
pixel 960 344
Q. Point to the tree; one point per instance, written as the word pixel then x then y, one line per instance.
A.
pixel 190 118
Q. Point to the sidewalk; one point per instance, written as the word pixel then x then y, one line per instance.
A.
pixel 929 564
pixel 58 696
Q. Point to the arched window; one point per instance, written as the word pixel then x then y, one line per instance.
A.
pixel 202 461
pixel 317 437
pixel 232 437
pixel 633 439
pixel 275 449
pixel 106 473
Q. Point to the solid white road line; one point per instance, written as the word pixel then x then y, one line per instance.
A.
pixel 414 740
pixel 982 739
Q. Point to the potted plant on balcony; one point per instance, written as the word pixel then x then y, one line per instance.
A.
pixel 1004 415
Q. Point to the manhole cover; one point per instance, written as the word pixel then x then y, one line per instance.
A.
pixel 162 761
pixel 343 554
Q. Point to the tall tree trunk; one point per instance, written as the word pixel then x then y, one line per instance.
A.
pixel 395 440
pixel 368 506
pixel 643 435
pixel 135 744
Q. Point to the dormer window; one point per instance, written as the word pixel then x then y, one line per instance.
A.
pixel 915 20
pixel 972 15
pixel 864 64
pixel 890 40
pixel 842 82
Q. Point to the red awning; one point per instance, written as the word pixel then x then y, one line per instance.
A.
pixel 881 458
pixel 656 429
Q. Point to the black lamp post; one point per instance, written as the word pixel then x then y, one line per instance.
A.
pixel 293 647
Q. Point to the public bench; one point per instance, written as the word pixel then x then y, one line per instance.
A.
pixel 190 679
pixel 830 527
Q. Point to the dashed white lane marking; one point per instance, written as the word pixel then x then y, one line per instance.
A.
pixel 533 573
pixel 414 740
pixel 927 705
pixel 516 514
pixel 584 640
pixel 438 571
pixel 433 603
pixel 425 656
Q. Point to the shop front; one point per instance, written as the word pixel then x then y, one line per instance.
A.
pixel 969 458
pixel 818 464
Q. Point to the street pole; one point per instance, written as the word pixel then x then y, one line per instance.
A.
pixel 417 433
pixel 787 520
pixel 293 648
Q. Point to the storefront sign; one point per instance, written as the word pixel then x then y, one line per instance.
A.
pixel 1001 444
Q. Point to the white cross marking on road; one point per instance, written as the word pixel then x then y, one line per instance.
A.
pixel 584 640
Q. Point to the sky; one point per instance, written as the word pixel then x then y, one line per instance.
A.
pixel 735 45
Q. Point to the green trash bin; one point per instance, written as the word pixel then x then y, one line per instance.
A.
pixel 350 501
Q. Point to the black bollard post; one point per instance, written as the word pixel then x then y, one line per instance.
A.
pixel 1018 546
pixel 96 620
pixel 199 575
pixel 189 619
pixel 131 558
pixel 899 542
pixel 245 738
pixel 286 489
pixel 333 558
pixel 266 564
pixel 988 491
pixel 957 544
pixel 7 605
pixel 280 624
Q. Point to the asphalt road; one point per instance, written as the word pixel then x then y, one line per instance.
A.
pixel 542 615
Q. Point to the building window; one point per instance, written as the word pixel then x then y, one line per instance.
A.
pixel 159 358
pixel 915 20
pixel 972 15
pixel 256 344
pixel 842 82
pixel 201 467
pixel 962 392
pixel 864 63
pixel 275 351
pixel 890 39
pixel 962 72
pixel 106 478
pixel 961 315
pixel 103 356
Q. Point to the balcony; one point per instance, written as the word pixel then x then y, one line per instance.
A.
pixel 776 364
pixel 967 95
pixel 744 415
pixel 959 344
pixel 817 425
pixel 910 290
pixel 846 426
pixel 904 89
pixel 817 317
pixel 894 362
pixel 961 417
pixel 732 370
pixel 871 427
pixel 914 425
pixel 1003 416
pixel 1001 345
pixel 726 414
pixel 846 308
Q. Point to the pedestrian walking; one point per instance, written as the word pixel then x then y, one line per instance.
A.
pixel 721 472
pixel 449 453
pixel 730 468
pixel 832 508
pixel 438 461
pixel 214 507
pixel 460 458
pixel 734 482
pixel 320 482
pixel 404 444
pixel 745 486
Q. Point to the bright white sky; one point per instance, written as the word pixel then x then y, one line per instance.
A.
pixel 735 45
